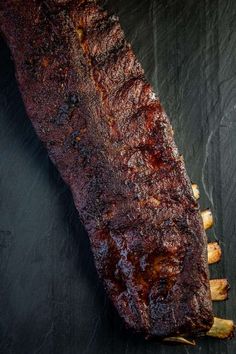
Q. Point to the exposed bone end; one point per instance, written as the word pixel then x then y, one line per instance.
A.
pixel 214 252
pixel 219 289
pixel 181 340
pixel 223 329
pixel 196 191
pixel 207 218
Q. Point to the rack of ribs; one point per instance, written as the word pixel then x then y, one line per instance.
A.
pixel 111 140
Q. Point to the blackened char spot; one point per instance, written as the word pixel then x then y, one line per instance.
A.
pixel 72 140
pixel 66 109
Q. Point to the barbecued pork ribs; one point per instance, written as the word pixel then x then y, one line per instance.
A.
pixel 107 133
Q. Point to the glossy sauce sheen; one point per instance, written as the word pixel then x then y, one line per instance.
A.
pixel 109 137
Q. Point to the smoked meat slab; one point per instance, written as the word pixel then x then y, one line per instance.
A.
pixel 107 133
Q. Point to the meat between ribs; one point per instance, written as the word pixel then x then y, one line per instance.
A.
pixel 105 130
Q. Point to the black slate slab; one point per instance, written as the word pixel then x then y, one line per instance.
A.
pixel 50 298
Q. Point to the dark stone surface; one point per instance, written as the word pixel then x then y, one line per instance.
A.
pixel 50 298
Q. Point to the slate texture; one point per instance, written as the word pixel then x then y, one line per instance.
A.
pixel 51 300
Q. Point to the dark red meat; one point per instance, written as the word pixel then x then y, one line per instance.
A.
pixel 109 137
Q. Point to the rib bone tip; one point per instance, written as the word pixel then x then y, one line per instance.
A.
pixel 219 289
pixel 207 219
pixel 214 252
pixel 221 328
pixel 196 192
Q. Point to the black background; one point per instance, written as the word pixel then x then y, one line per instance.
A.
pixel 50 298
